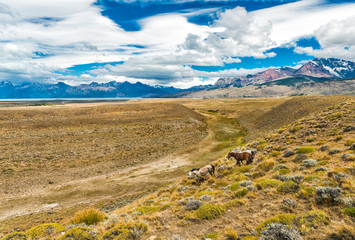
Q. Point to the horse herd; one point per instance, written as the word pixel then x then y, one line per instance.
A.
pixel 239 156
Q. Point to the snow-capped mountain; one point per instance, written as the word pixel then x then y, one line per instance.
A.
pixel 319 67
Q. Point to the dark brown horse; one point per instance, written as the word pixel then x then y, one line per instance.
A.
pixel 246 156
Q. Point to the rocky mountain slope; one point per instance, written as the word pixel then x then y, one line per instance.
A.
pixel 300 186
pixel 92 90
pixel 319 67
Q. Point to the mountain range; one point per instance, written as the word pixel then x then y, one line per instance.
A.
pixel 319 70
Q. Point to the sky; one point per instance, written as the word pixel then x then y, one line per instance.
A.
pixel 180 43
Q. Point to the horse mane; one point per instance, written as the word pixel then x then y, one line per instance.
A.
pixel 195 169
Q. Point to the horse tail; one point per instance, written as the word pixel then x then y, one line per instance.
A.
pixel 213 168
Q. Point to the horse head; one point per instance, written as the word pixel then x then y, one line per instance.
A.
pixel 192 174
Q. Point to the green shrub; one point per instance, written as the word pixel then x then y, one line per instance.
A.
pixel 320 143
pixel 209 211
pixel 45 230
pixel 15 236
pixel 286 219
pixel 296 128
pixel 269 183
pixel 212 235
pixel 88 216
pixel 275 154
pixel 79 233
pixel 234 203
pixel 235 186
pixel 350 211
pixel 265 166
pixel 335 116
pixel 199 194
pixel 244 169
pixel 284 171
pixel 280 166
pixel 310 139
pixel 240 193
pixel 125 231
pixel 306 149
pixel 288 187
pixel 312 219
pixel 148 209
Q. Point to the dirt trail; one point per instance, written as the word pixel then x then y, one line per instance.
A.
pixel 124 182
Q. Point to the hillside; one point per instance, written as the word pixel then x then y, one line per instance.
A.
pixel 302 178
pixel 294 86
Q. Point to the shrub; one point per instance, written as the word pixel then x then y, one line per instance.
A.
pixel 234 203
pixel 15 236
pixel 148 209
pixel 231 234
pixel 289 153
pixel 277 231
pixel 88 216
pixel 296 128
pixel 343 233
pixel 297 178
pixel 305 150
pixel 79 233
pixel 284 171
pixel 334 151
pixel 350 211
pixel 280 166
pixel 313 219
pixel 310 139
pixel 275 154
pixel 306 193
pixel 240 193
pixel 212 235
pixel 235 186
pixel 193 205
pixel 268 183
pixel 349 142
pixel 209 211
pixel 309 163
pixel 335 116
pixel 286 219
pixel 45 230
pixel 265 166
pixel 288 187
pixel 288 204
pixel 246 183
pixel 300 157
pixel 338 138
pixel 125 231
pixel 327 195
pixel 244 169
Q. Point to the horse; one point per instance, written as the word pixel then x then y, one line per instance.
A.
pixel 247 156
pixel 200 172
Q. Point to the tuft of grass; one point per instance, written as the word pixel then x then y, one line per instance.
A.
pixel 131 230
pixel 233 203
pixel 296 128
pixel 269 183
pixel 306 150
pixel 244 169
pixel 231 234
pixel 280 166
pixel 240 193
pixel 15 236
pixel 288 187
pixel 265 166
pixel 284 171
pixel 209 212
pixel 89 217
pixel 212 235
pixel 350 211
pixel 286 219
pixel 275 154
pixel 335 116
pixel 78 233
pixel 148 209
pixel 45 230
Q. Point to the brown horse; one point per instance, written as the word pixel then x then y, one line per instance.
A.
pixel 247 156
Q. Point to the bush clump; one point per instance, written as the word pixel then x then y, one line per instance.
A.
pixel 209 211
pixel 125 231
pixel 313 219
pixel 296 178
pixel 275 154
pixel 305 150
pixel 328 195
pixel 278 231
pixel 284 171
pixel 240 193
pixel 15 236
pixel 280 166
pixel 296 128
pixel 265 166
pixel 286 219
pixel 268 183
pixel 148 209
pixel 334 151
pixel 79 233
pixel 193 205
pixel 45 230
pixel 88 216
pixel 288 204
pixel 350 211
pixel 288 187
pixel 308 163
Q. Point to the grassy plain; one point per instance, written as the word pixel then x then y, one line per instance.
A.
pixel 57 159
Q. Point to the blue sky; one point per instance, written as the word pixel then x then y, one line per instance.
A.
pixel 178 43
